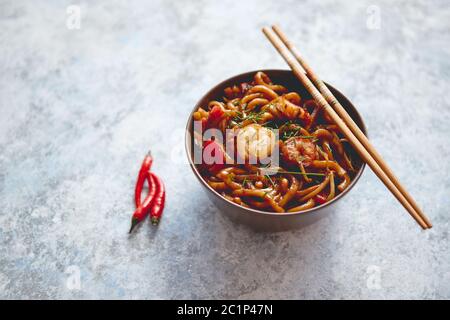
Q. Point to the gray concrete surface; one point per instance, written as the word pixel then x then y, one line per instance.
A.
pixel 80 107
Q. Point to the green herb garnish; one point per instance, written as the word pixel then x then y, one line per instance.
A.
pixel 271 181
pixel 295 172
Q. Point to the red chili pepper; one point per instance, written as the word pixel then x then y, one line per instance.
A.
pixel 214 117
pixel 143 208
pixel 320 199
pixel 157 207
pixel 143 173
pixel 215 152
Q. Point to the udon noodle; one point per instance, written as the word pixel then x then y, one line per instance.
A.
pixel 316 163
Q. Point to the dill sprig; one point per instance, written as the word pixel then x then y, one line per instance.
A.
pixel 271 181
pixel 252 116
pixel 295 172
pixel 290 134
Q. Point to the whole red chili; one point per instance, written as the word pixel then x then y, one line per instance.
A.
pixel 143 208
pixel 159 200
pixel 143 174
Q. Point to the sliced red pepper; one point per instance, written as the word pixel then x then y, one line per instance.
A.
pixel 215 115
pixel 213 156
pixel 320 199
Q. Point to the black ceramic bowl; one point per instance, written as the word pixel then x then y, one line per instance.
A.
pixel 257 219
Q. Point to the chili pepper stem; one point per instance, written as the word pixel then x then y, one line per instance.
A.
pixel 134 223
pixel 155 221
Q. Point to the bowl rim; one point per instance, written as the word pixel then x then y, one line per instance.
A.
pixel 189 135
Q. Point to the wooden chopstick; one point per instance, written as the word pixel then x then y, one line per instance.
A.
pixel 365 155
pixel 331 99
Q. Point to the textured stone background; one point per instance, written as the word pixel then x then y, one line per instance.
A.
pixel 79 108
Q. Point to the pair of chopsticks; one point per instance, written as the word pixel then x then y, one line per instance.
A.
pixel 323 96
